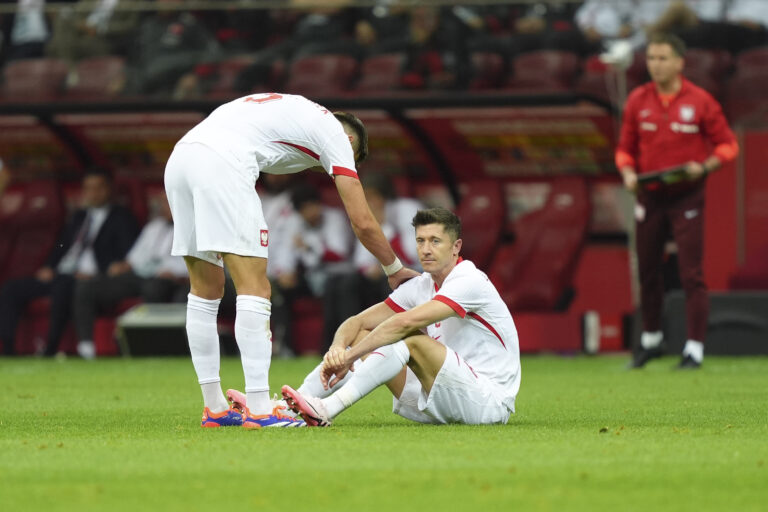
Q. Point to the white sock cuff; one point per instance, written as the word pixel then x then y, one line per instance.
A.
pixel 254 304
pixel 208 381
pixel 401 352
pixel 695 349
pixel 649 340
pixel 205 305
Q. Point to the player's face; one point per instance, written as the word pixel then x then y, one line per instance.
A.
pixel 664 65
pixel 436 249
pixel 96 191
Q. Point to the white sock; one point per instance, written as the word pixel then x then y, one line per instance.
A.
pixel 86 349
pixel 695 349
pixel 254 341
pixel 313 386
pixel 649 340
pixel 381 366
pixel 203 339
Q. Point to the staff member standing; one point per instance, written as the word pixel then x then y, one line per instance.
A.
pixel 670 122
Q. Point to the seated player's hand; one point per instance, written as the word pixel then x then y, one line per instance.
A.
pixel 335 367
pixel 401 276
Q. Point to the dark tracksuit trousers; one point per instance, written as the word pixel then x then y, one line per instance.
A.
pixel 682 215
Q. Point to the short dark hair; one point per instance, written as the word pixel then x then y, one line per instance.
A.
pixel 446 218
pixel 677 44
pixel 361 134
pixel 302 194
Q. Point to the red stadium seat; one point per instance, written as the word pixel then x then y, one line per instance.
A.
pixel 549 70
pixel 33 79
pixel 714 63
pixel 745 98
pixel 487 70
pixel 754 61
pixel 226 73
pixel 30 233
pixel 97 78
pixel 321 75
pixel 380 73
pixel 536 272
pixel 482 217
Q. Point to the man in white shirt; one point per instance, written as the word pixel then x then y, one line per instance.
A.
pixel 148 271
pixel 444 343
pixel 210 181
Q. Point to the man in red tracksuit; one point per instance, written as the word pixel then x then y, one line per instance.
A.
pixel 670 122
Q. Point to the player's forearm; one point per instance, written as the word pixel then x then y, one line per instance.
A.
pixel 390 331
pixel 373 239
pixel 346 333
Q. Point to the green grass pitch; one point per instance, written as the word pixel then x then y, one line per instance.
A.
pixel 124 434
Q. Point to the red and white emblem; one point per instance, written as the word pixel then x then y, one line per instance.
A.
pixel 264 237
pixel 687 113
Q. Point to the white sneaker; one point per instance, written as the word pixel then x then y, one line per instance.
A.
pixel 86 350
pixel 310 408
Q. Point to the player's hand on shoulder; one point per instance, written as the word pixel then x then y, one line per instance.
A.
pixel 401 276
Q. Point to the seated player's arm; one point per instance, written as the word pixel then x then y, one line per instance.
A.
pixel 365 320
pixel 399 326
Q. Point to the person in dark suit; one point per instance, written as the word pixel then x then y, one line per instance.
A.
pixel 96 236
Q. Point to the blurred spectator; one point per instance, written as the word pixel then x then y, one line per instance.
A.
pixel 599 20
pixel 546 25
pixel 96 236
pixel 278 210
pixel 437 57
pixel 148 271
pixel 167 45
pixel 26 31
pixel 382 28
pixel 321 246
pixel 91 29
pixel 319 30
pixel 692 20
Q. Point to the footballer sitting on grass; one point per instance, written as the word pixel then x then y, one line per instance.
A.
pixel 444 343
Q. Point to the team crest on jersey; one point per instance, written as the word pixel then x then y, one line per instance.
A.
pixel 687 113
pixel 264 237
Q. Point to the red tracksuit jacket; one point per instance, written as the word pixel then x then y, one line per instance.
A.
pixel 691 128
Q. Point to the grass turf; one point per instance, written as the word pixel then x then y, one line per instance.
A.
pixel 124 434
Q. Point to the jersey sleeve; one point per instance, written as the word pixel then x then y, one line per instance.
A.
pixel 337 157
pixel 464 294
pixel 404 297
pixel 718 132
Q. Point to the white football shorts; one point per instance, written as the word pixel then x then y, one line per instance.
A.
pixel 215 207
pixel 458 395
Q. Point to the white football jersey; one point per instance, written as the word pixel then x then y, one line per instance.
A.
pixel 483 334
pixel 276 134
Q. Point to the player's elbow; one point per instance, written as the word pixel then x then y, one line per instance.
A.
pixel 365 227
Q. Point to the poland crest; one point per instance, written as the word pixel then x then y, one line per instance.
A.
pixel 687 113
pixel 264 238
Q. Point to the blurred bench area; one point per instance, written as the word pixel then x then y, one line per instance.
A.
pixel 502 111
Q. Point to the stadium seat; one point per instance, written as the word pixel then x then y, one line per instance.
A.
pixel 487 70
pixel 745 98
pixel 225 76
pixel 33 79
pixel 97 78
pixel 321 75
pixel 754 61
pixel 380 73
pixel 714 63
pixel 549 70
pixel 535 273
pixel 482 215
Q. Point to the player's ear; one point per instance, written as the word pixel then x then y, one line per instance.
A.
pixel 457 247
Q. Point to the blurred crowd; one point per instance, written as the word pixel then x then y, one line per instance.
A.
pixel 172 51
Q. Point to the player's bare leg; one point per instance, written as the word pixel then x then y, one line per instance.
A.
pixel 206 290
